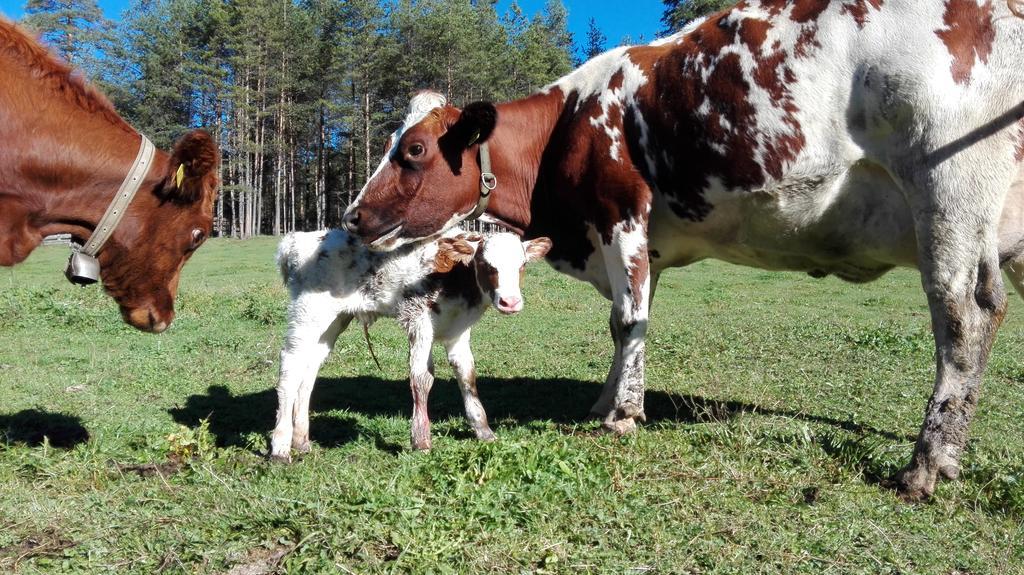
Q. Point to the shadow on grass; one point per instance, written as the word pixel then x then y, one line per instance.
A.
pixel 30 426
pixel 519 400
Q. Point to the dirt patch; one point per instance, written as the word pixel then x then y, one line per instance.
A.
pixel 45 543
pixel 165 469
pixel 261 561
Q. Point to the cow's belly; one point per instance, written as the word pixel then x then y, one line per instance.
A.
pixel 853 223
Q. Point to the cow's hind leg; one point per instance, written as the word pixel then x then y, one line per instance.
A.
pixel 959 261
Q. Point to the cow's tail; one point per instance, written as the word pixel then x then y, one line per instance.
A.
pixel 286 257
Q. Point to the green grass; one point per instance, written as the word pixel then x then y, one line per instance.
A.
pixel 777 403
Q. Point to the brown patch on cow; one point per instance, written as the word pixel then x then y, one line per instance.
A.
pixel 638 271
pixel 859 10
pixel 705 117
pixel 968 34
pixel 805 11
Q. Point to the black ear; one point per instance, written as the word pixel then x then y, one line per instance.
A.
pixel 475 124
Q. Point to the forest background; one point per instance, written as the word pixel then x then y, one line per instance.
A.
pixel 301 94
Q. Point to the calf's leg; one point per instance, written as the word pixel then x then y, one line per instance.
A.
pixel 421 378
pixel 306 346
pixel 460 356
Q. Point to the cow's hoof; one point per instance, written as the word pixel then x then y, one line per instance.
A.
pixel 302 447
pixel 285 459
pixel 914 484
pixel 486 435
pixel 421 446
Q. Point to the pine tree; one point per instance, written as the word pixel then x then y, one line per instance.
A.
pixel 76 29
pixel 596 41
pixel 679 12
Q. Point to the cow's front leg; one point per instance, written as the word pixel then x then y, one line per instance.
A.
pixel 628 269
pixel 460 356
pixel 421 378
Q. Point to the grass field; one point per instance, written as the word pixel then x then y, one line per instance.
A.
pixel 776 405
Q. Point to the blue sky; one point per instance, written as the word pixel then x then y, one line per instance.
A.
pixel 615 17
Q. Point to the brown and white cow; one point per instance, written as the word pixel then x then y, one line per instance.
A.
pixel 64 152
pixel 841 137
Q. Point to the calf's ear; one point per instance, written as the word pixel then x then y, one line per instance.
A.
pixel 192 169
pixel 536 248
pixel 451 252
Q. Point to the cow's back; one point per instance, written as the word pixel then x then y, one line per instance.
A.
pixel 780 134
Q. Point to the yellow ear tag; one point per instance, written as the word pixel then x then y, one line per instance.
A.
pixel 179 175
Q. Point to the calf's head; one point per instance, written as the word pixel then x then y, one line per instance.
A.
pixel 498 262
pixel 429 178
pixel 167 221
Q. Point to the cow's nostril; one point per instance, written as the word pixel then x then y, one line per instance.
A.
pixel 351 220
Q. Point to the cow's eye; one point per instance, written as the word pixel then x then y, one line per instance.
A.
pixel 198 236
pixel 416 150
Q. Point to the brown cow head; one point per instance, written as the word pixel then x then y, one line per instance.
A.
pixel 429 179
pixel 141 263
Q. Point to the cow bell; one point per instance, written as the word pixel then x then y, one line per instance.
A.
pixel 82 269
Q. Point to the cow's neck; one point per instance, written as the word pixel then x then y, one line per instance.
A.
pixel 517 148
pixel 63 184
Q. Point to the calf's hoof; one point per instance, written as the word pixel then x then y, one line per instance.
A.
pixel 421 440
pixel 302 446
pixel 485 435
pixel 284 459
pixel 623 420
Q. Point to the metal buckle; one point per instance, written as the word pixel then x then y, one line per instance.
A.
pixel 489 181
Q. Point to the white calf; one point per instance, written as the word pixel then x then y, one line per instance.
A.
pixel 437 291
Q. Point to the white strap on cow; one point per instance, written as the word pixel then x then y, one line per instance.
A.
pixel 83 267
pixel 488 181
pixel 119 205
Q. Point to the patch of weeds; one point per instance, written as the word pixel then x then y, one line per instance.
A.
pixel 188 443
pixel 263 308
pixel 1000 487
pixel 892 338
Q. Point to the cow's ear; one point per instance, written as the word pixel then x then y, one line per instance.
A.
pixel 192 169
pixel 536 248
pixel 451 252
pixel 474 125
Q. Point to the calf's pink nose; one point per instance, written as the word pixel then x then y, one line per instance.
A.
pixel 510 304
